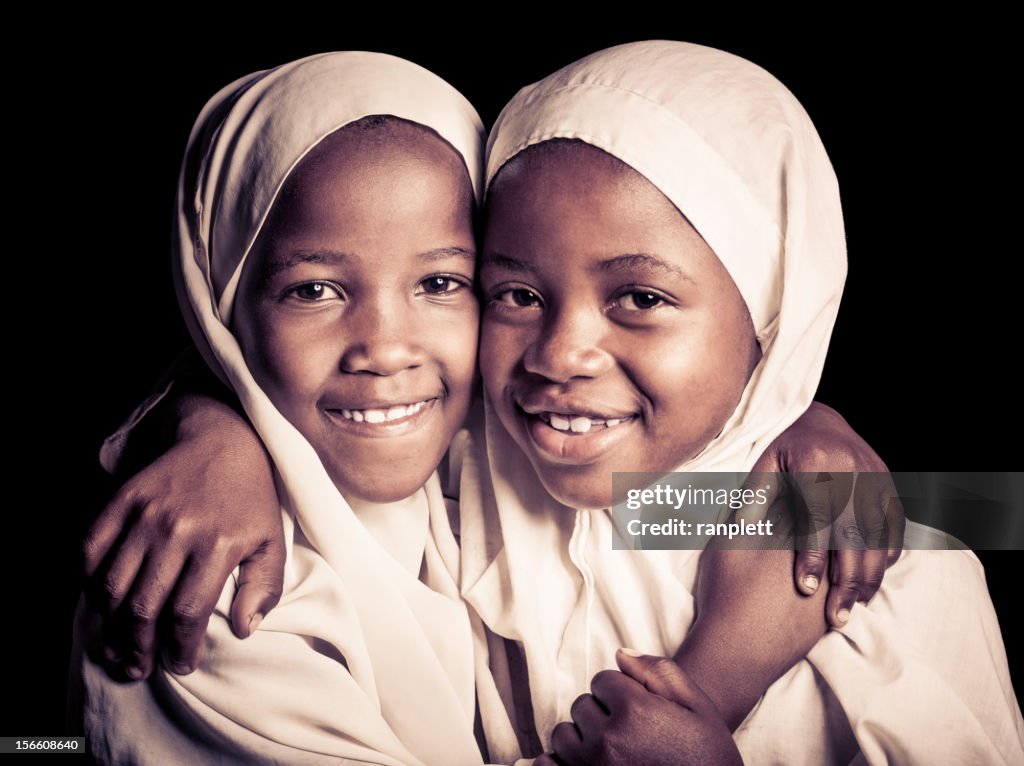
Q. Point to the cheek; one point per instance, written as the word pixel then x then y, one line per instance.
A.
pixel 288 361
pixel 696 375
pixel 501 347
pixel 456 346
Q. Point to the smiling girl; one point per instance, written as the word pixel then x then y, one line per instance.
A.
pixel 324 261
pixel 662 267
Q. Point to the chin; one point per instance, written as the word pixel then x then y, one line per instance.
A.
pixel 578 490
pixel 366 485
pixel 391 493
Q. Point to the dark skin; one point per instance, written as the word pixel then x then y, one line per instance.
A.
pixel 705 659
pixel 325 330
pixel 650 713
pixel 577 323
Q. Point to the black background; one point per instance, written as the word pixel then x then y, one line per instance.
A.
pixel 913 121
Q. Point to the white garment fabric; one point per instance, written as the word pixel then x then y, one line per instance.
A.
pixel 917 676
pixel 365 659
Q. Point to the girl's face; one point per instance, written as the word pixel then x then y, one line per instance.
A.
pixel 356 311
pixel 613 338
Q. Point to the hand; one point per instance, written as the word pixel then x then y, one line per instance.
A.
pixel 825 463
pixel 650 714
pixel 162 549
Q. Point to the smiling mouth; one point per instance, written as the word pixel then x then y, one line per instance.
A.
pixel 384 415
pixel 578 424
pixel 574 438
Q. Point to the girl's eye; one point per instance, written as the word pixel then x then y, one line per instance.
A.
pixel 639 300
pixel 518 296
pixel 441 285
pixel 315 292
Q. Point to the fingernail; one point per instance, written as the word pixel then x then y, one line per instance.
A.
pixel 811 583
pixel 180 668
pixel 631 652
pixel 254 622
pixel 134 672
pixel 843 615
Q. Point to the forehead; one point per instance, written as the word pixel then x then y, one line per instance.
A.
pixel 372 169
pixel 560 187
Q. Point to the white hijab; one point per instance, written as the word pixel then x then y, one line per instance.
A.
pixel 732 148
pixel 362 659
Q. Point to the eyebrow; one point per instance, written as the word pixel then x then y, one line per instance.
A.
pixel 336 257
pixel 624 262
pixel 443 253
pixel 504 262
pixel 643 261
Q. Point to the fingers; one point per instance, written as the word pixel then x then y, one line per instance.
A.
pixel 111 582
pixel 897 523
pixel 661 676
pixel 579 742
pixel 878 510
pixel 875 563
pixel 136 622
pixel 847 577
pixel 105 530
pixel 822 497
pixel 191 606
pixel 588 714
pixel 546 760
pixel 769 485
pixel 818 498
pixel 568 743
pixel 809 569
pixel 613 689
pixel 260 584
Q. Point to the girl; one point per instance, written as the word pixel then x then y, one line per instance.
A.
pixel 663 262
pixel 324 261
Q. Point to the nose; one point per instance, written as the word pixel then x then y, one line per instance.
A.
pixel 383 341
pixel 569 346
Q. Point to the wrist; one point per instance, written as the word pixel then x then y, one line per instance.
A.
pixel 199 417
pixel 699 660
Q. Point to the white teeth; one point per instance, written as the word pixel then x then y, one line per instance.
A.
pixel 559 423
pixel 580 425
pixel 380 416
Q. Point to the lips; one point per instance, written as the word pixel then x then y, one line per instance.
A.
pixel 571 431
pixel 574 406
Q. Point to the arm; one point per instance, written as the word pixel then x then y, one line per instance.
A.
pixel 758 614
pixel 753 624
pixel 822 442
pixel 165 544
pixel 751 627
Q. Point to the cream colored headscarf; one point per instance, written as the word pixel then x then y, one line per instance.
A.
pixel 365 658
pixel 737 154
